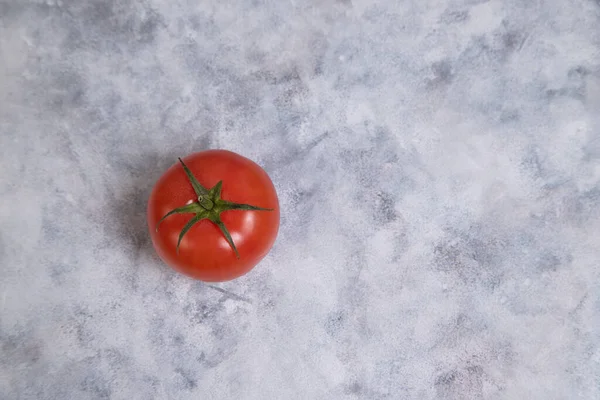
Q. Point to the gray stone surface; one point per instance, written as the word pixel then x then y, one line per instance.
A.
pixel 438 166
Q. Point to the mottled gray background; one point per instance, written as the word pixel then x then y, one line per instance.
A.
pixel 438 166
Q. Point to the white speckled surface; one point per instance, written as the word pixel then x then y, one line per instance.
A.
pixel 438 166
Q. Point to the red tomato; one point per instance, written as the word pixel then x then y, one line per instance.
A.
pixel 208 231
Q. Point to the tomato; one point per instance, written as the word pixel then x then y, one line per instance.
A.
pixel 213 216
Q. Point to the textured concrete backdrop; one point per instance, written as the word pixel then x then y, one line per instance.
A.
pixel 438 166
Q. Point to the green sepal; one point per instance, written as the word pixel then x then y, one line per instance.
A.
pixel 215 191
pixel 201 192
pixel 192 208
pixel 198 217
pixel 237 206
pixel 227 235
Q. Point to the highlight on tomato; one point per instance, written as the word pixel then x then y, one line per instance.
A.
pixel 213 216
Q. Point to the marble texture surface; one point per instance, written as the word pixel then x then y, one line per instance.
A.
pixel 438 166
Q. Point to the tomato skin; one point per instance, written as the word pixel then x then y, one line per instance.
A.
pixel 204 253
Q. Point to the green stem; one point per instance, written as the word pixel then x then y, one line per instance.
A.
pixel 206 202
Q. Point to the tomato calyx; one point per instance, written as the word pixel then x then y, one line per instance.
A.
pixel 208 205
